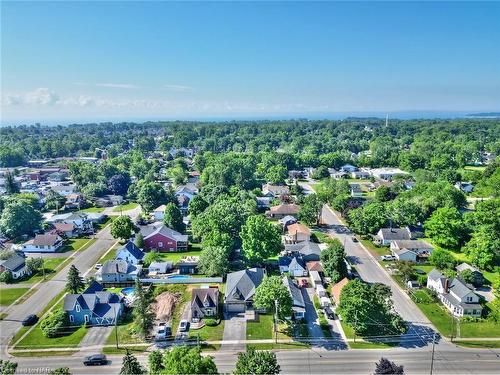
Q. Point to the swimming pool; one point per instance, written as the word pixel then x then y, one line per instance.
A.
pixel 127 291
pixel 179 277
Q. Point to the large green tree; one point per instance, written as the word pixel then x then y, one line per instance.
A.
pixel 74 283
pixel 122 227
pixel 19 218
pixel 368 219
pixel 131 365
pixel 445 227
pixel 214 261
pixel 333 261
pixel 260 239
pixel 186 360
pixel 484 248
pixel 310 209
pixel 143 316
pixel 256 362
pixel 173 217
pixel 271 291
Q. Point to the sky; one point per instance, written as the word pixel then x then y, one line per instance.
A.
pixel 91 61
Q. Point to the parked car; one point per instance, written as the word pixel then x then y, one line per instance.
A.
pixel 354 239
pixel 184 325
pixel 30 320
pixel 329 312
pixel 303 283
pixel 98 266
pixel 163 332
pixel 388 257
pixel 95 360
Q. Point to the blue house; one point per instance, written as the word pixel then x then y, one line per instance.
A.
pixel 94 306
pixel 130 253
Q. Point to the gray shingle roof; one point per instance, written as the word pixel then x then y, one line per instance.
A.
pixel 14 263
pixel 115 266
pixel 459 288
pixel 295 292
pixel 435 274
pixel 159 228
pixel 393 234
pixel 241 285
pixel 133 250
pixel 307 248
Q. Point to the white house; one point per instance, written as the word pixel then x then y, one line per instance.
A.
pixel 272 190
pixel 43 243
pixel 411 250
pixel 356 191
pixel 348 168
pixel 320 290
pixel 362 174
pixel 16 264
pixel 130 253
pixel 387 173
pixel 64 190
pixel 159 268
pixel 295 266
pixel 159 212
pixel 315 278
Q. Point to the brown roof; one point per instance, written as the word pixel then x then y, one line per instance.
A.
pixel 337 288
pixel 298 228
pixel 64 227
pixel 314 265
pixel 45 239
pixel 285 209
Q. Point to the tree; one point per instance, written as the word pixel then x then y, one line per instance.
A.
pixel 155 362
pixel 404 212
pixel 368 309
pixel 214 261
pixel 260 239
pixel 197 205
pixel 151 195
pixel 173 217
pixel 187 360
pixel 95 189
pixel 383 194
pixel 143 316
pixel 483 248
pixel 10 184
pixel 442 259
pixel 54 200
pixel 60 371
pixel 445 227
pixel 119 183
pixel 384 366
pixel 7 367
pixel 152 256
pixel 470 277
pixel 74 282
pixel 256 362
pixel 270 290
pixel 52 325
pixel 310 209
pixel 333 261
pixel 130 365
pixel 320 172
pixel 368 219
pixel 405 269
pixel 19 218
pixel 122 227
pixel 139 240
pixel 34 264
pixel 276 174
pixel 6 277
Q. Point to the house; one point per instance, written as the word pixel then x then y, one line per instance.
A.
pixel 193 177
pixel 263 202
pixel 466 187
pixel 314 266
pixel 183 203
pixel 478 277
pixel 387 174
pixel 355 190
pixel 282 210
pixel 297 233
pixel 80 220
pixel 386 235
pixel 188 265
pixel 159 212
pixel 361 175
pixel 275 191
pixel 160 268
pixel 119 271
pixel 294 265
pixel 320 290
pixel 337 289
pixel 64 190
pixel 109 200
pixel 16 264
pixel 43 243
pixel 94 306
pixel 298 304
pixel 412 284
pixel 188 190
pixel 73 200
pixel 455 295
pixel 287 220
pixel 348 168
pixel 295 174
pixel 240 289
pixel 130 253
pixel 66 230
pixel 338 175
pixel 204 303
pixel 160 237
pixel 309 251
pixel 411 250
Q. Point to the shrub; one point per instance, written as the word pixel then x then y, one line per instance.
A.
pixel 210 322
pixel 6 277
pixel 52 325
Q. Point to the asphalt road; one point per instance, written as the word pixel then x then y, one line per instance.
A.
pixel 46 291
pixel 453 360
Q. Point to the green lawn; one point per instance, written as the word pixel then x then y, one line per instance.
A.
pixel 50 265
pixel 262 329
pixel 378 250
pixel 435 313
pixel 110 254
pixel 479 329
pixel 52 353
pixel 93 209
pixel 36 340
pixel 349 332
pixel 479 344
pixel 475 168
pixel 207 333
pixel 78 244
pixel 9 295
pixel 125 207
pixel 105 222
pixel 281 346
pixel 176 256
pixel 125 334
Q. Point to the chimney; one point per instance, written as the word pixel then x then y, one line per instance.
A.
pixel 446 285
pixel 117 268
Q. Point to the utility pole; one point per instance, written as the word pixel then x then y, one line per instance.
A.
pixel 276 321
pixel 433 346
pixel 355 323
pixel 43 268
pixel 116 327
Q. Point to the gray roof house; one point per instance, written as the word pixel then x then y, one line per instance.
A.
pixel 294 265
pixel 119 271
pixel 130 253
pixel 240 289
pixel 298 304
pixel 94 306
pixel 204 302
pixel 307 249
pixel 16 264
pixel 386 235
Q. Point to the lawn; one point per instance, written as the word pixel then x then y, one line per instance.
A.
pixel 36 339
pixel 479 329
pixel 176 256
pixel 349 332
pixel 125 334
pixel 281 346
pixel 377 250
pixel 105 222
pixel 475 168
pixel 50 268
pixel 93 209
pixel 207 333
pixel 435 313
pixel 109 255
pixel 125 207
pixel 77 244
pixel 9 295
pixel 262 329
pixel 479 344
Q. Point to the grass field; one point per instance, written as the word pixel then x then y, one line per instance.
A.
pixel 125 207
pixel 262 329
pixel 93 209
pixel 479 344
pixel 176 256
pixel 109 255
pixel 36 340
pixel 9 295
pixel 377 250
pixel 34 353
pixel 207 333
pixel 349 332
pixel 125 334
pixel 77 244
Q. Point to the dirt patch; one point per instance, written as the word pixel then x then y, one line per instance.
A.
pixel 164 305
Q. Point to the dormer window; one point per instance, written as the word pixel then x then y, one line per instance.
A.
pixel 78 308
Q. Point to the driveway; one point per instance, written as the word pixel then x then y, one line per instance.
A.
pixel 312 321
pixel 95 338
pixel 235 329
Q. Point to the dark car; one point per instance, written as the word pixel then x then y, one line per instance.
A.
pixel 329 312
pixel 30 320
pixel 95 360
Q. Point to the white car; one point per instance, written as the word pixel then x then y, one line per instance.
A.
pixel 98 266
pixel 183 325
pixel 388 257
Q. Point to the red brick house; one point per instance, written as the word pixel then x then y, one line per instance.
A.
pixel 158 236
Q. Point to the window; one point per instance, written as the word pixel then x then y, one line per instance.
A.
pixel 86 318
pixel 160 244
pixel 78 308
pixel 469 299
pixel 71 319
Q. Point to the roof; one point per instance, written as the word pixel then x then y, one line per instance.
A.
pixel 241 285
pixel 116 266
pixel 64 227
pixel 411 244
pixel 297 261
pixel 159 228
pixel 133 250
pixel 273 188
pixel 285 209
pixel 298 228
pixel 459 288
pixel 161 265
pixel 305 248
pixel 337 288
pixel 435 274
pixel 160 208
pixel 45 240
pixel 287 219
pixel 201 295
pixel 315 276
pixel 13 263
pixel 465 266
pixel 314 265
pixel 295 292
pixel 392 234
pixel 456 303
pixel 94 298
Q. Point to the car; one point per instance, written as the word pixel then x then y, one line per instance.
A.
pixel 354 239
pixel 329 312
pixel 95 360
pixel 303 283
pixel 183 325
pixel 164 331
pixel 30 320
pixel 98 266
pixel 388 257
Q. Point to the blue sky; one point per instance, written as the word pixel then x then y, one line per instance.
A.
pixel 95 60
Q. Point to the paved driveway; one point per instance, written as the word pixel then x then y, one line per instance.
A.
pixel 235 329
pixel 95 337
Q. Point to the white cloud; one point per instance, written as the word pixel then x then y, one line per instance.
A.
pixel 41 96
pixel 177 87
pixel 118 85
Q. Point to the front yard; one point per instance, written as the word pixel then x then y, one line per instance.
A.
pixel 9 295
pixel 125 207
pixel 262 329
pixel 366 343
